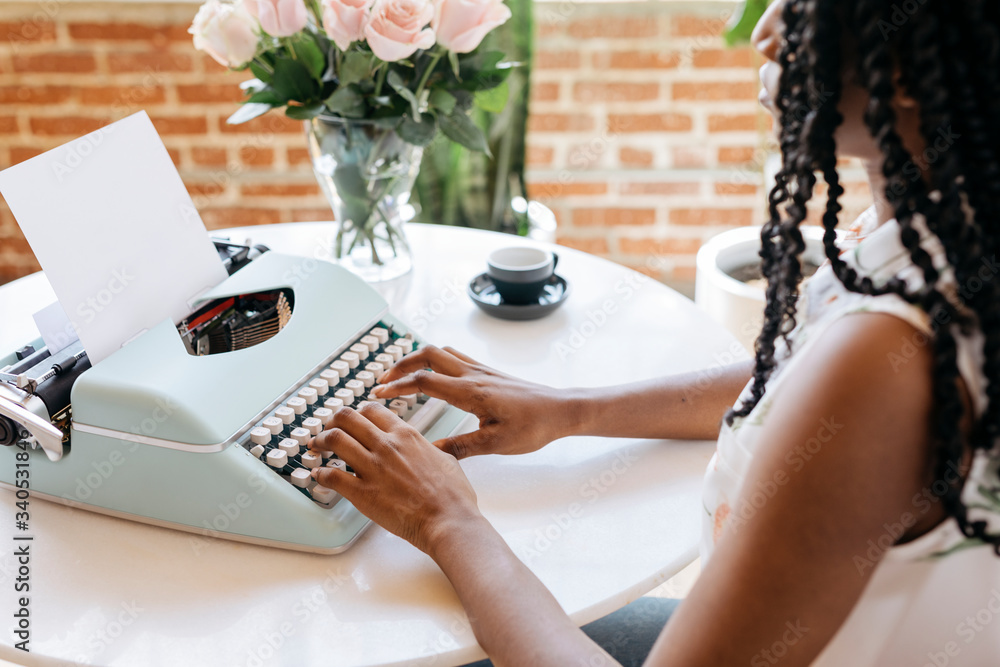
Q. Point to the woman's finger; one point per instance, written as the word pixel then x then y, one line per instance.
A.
pixel 382 417
pixel 461 446
pixel 367 434
pixel 350 451
pixel 428 356
pixel 422 381
pixel 461 355
pixel 340 481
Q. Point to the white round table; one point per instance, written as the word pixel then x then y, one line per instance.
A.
pixel 600 521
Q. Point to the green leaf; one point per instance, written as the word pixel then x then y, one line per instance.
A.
pixel 443 101
pixel 308 52
pixel 353 190
pixel 293 81
pixel 266 96
pixel 419 134
pixel 355 67
pixel 248 112
pixel 304 112
pixel 260 72
pixel 458 127
pixel 397 84
pixel 453 59
pixel 493 100
pixel 743 21
pixel 346 102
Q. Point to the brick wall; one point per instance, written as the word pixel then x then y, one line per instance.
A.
pixel 645 136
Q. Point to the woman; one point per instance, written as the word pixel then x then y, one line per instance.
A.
pixel 878 430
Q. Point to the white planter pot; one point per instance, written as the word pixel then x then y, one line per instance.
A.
pixel 736 305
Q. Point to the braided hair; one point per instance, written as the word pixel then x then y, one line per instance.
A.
pixel 946 56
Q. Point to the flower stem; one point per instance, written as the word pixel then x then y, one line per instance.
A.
pixel 382 72
pixel 435 59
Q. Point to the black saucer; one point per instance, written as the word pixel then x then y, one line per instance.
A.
pixel 484 293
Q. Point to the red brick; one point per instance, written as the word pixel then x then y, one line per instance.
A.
pixel 230 93
pixel 554 189
pixel 175 156
pixel 650 246
pixel 636 60
pixel 66 125
pixel 661 122
pixel 538 156
pixel 661 188
pixel 8 125
pixel 556 60
pixel 209 157
pixel 736 154
pixel 279 190
pixel 255 156
pixel 731 217
pixel 608 217
pixel 34 94
pixel 123 95
pixel 150 61
pixel 613 27
pixel 115 32
pixel 734 58
pixel 698 26
pixel 595 246
pixel 615 92
pixel 298 156
pixel 269 123
pixel 322 214
pixel 207 190
pixel 735 189
pixel 747 122
pixel 27 31
pixel 180 124
pixel 635 157
pixel 560 122
pixel 76 62
pixel 715 91
pixel 544 92
pixel 690 156
pixel 19 154
pixel 216 218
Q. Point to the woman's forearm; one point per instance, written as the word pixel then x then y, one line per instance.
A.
pixel 515 618
pixel 689 406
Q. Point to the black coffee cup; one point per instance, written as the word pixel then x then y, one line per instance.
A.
pixel 521 273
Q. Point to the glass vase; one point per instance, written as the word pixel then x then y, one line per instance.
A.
pixel 367 173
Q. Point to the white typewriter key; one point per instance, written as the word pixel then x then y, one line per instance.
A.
pixel 367 377
pixel 381 334
pixel 308 394
pixel 257 451
pixel 387 360
pixel 325 415
pixel 323 495
pixel 300 435
pixel 371 342
pixel 411 399
pixel 336 463
pixel 372 399
pixel 363 404
pixel 361 350
pixel 331 377
pixel 351 358
pixel 357 386
pixel 285 414
pixel 346 395
pixel 406 344
pixel 320 385
pixel 395 351
pixel 312 460
pixel 273 424
pixel 297 403
pixel 313 425
pixel 375 368
pixel 341 367
pixel 277 458
pixel 301 477
pixel 334 404
pixel 398 406
pixel 260 435
pixel 326 454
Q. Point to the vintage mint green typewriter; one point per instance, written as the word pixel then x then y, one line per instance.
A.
pixel 201 426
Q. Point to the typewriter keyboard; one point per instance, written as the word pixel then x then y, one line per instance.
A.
pixel 279 440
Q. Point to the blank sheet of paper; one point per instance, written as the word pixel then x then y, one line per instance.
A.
pixel 115 232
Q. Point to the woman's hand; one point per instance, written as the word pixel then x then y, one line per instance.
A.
pixel 400 481
pixel 515 416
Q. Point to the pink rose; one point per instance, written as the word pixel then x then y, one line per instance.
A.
pixel 279 18
pixel 344 20
pixel 398 28
pixel 225 31
pixel 460 25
